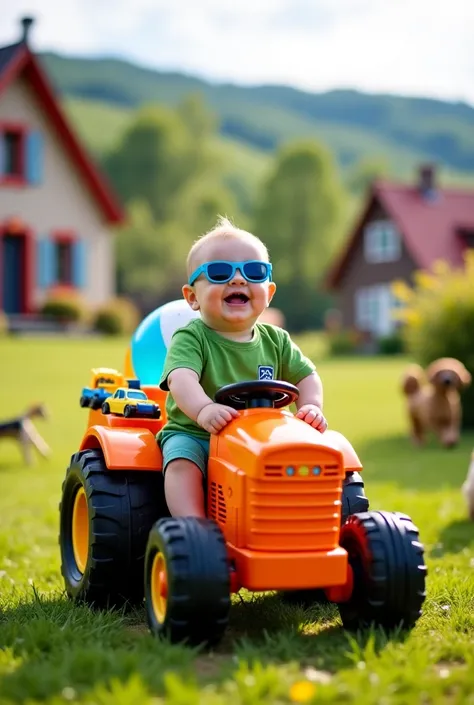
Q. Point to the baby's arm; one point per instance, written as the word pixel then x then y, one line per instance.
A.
pixel 310 401
pixel 193 401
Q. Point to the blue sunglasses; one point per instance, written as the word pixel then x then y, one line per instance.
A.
pixel 221 271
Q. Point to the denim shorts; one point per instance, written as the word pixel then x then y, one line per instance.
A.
pixel 184 445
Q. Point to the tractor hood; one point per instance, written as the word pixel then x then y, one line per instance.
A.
pixel 266 435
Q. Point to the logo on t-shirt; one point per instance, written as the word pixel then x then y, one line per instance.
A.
pixel 265 372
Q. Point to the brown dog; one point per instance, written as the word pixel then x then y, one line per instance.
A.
pixel 433 399
pixel 23 430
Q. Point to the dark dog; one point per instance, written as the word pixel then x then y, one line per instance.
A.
pixel 433 399
pixel 23 430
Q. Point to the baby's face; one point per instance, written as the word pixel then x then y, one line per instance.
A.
pixel 235 305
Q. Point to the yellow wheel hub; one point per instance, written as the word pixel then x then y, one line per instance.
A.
pixel 159 587
pixel 80 529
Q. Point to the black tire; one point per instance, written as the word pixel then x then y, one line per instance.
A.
pixel 95 403
pixel 106 407
pixel 387 560
pixel 157 414
pixel 354 500
pixel 128 411
pixel 83 402
pixel 197 606
pixel 120 508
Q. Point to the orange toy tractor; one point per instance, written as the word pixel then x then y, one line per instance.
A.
pixel 286 511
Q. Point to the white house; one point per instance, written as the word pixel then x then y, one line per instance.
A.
pixel 56 211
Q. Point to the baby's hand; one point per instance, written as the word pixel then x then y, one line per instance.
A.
pixel 213 417
pixel 312 414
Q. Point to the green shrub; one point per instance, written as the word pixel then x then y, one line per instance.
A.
pixel 343 342
pixel 65 305
pixel 117 317
pixel 393 344
pixel 439 320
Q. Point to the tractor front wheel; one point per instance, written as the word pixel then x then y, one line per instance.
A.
pixel 105 519
pixel 187 581
pixel 389 571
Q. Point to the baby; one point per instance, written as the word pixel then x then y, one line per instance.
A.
pixel 230 284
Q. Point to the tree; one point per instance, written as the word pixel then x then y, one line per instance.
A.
pixel 150 258
pixel 150 164
pixel 299 219
pixel 199 204
pixel 365 172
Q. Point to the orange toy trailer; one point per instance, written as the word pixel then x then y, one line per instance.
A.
pixel 284 513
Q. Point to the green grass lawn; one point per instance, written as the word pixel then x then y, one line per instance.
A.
pixel 52 651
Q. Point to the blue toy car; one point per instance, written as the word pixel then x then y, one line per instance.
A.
pixel 104 382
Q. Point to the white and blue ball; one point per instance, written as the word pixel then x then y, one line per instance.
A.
pixel 152 338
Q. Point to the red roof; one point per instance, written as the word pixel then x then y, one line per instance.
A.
pixel 431 227
pixel 17 59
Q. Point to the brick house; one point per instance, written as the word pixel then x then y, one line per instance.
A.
pixel 56 211
pixel 402 228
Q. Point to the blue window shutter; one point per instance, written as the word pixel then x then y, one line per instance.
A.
pixel 46 265
pixel 79 264
pixel 34 157
pixel 2 154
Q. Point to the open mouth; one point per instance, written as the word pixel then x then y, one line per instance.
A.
pixel 236 299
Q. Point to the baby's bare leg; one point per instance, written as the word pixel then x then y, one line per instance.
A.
pixel 184 489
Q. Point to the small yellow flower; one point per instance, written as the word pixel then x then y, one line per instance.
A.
pixel 425 281
pixel 402 291
pixel 302 691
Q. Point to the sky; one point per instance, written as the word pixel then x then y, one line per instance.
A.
pixel 408 47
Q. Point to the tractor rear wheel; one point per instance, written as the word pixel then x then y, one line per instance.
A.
pixel 389 571
pixel 187 581
pixel 105 518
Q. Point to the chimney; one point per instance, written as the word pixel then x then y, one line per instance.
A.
pixel 427 181
pixel 26 23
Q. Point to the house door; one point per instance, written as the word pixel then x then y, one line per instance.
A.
pixel 13 269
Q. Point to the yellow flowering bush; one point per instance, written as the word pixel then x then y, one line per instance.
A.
pixel 438 318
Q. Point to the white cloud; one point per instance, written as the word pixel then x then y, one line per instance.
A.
pixel 421 47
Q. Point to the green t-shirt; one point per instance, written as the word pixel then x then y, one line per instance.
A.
pixel 271 354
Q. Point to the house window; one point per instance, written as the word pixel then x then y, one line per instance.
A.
pixel 64 261
pixel 374 307
pixel 382 242
pixel 21 155
pixel 13 153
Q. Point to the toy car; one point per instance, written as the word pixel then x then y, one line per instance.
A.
pixel 131 402
pixel 286 511
pixel 103 384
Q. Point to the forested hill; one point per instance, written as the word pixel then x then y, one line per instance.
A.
pixel 354 125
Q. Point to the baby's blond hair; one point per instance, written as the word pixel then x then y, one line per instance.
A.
pixel 224 228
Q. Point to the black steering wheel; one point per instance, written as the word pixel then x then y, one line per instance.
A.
pixel 257 393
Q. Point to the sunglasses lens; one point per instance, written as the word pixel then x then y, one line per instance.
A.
pixel 256 271
pixel 219 272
